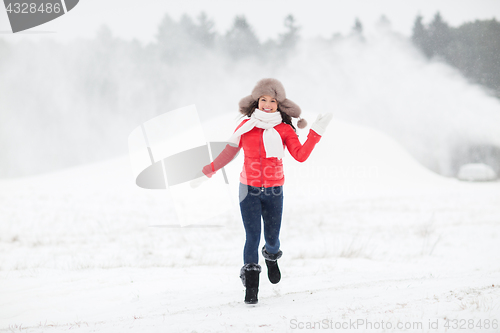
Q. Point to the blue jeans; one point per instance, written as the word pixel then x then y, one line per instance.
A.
pixel 254 204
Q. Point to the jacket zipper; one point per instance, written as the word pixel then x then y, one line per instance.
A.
pixel 260 155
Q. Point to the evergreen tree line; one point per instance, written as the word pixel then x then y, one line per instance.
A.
pixel 473 48
pixel 180 41
pixel 188 38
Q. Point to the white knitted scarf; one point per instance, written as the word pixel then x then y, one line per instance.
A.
pixel 272 139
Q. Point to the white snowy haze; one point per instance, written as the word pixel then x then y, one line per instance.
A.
pixel 376 228
pixel 69 103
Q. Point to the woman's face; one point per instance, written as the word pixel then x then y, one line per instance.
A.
pixel 268 104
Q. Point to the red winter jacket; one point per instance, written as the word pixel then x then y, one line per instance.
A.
pixel 258 170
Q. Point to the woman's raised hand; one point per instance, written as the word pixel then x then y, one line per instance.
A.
pixel 321 122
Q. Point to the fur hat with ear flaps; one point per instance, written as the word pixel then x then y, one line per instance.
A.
pixel 275 89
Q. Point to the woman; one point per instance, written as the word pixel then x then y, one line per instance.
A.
pixel 263 136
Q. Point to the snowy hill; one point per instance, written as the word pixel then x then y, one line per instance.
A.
pixel 368 234
pixel 350 159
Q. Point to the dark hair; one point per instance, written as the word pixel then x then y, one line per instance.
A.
pixel 287 119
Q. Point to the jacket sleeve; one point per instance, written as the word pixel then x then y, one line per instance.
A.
pixel 299 151
pixel 225 156
pixel 222 160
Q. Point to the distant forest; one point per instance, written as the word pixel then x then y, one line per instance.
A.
pixel 473 48
pixel 185 39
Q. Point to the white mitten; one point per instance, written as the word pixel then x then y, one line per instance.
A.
pixel 320 124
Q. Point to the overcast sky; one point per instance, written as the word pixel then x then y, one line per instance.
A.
pixel 139 19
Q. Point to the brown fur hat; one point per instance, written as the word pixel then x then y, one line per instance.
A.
pixel 275 89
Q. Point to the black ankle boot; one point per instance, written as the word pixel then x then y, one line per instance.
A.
pixel 249 275
pixel 273 271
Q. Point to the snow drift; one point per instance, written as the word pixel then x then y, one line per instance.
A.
pixel 368 233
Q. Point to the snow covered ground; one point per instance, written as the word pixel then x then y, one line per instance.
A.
pixel 372 241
